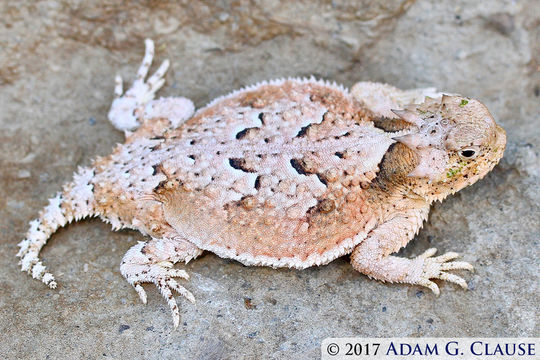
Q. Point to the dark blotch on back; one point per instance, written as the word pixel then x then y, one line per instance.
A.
pixel 300 166
pixel 303 131
pixel 242 134
pixel 322 179
pixel 258 182
pixel 240 164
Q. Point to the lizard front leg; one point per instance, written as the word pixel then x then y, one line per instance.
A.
pixel 372 256
pixel 130 109
pixel 152 262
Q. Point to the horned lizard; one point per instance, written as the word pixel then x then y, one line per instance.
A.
pixel 285 173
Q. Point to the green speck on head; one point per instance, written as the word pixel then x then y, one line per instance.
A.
pixel 463 103
pixel 454 171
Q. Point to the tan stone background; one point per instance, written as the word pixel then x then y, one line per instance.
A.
pixel 57 63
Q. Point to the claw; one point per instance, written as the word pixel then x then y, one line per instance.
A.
pixel 118 86
pixel 457 265
pixel 181 290
pixel 453 278
pixel 431 285
pixel 155 87
pixel 428 253
pixel 147 60
pixel 165 290
pixel 435 267
pixel 447 257
pixel 179 273
pixel 158 75
pixel 161 274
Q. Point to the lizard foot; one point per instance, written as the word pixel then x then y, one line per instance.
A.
pixel 160 274
pixel 436 267
pixel 127 108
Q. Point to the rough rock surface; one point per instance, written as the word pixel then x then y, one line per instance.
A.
pixel 57 63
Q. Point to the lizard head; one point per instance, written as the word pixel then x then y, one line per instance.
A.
pixel 456 142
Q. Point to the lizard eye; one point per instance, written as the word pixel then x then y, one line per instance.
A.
pixel 468 153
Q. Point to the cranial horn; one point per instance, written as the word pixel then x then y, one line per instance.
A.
pixel 410 140
pixel 445 98
pixel 409 116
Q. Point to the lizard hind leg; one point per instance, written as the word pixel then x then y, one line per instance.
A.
pixel 127 108
pixel 152 262
pixel 74 203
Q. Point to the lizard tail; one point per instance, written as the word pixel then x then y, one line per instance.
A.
pixel 75 202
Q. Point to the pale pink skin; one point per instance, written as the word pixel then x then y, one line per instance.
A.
pixel 135 186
